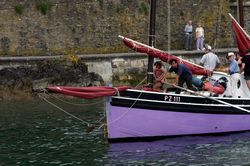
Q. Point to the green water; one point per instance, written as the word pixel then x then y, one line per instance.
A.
pixel 36 133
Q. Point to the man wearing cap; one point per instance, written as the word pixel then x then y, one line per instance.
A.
pixel 233 70
pixel 233 67
pixel 209 60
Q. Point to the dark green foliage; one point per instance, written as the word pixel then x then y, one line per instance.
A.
pixel 143 8
pixel 43 6
pixel 19 9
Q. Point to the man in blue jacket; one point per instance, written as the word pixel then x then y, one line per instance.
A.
pixel 183 75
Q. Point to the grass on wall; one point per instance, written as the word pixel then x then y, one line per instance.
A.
pixel 19 8
pixel 44 6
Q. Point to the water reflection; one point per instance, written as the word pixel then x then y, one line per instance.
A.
pixel 231 149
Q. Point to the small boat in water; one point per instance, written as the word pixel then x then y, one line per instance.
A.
pixel 146 114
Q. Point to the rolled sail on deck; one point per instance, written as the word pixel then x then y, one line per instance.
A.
pixel 164 56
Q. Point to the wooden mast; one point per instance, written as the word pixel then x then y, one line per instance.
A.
pixel 241 13
pixel 151 40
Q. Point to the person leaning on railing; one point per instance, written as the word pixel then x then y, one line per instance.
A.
pixel 183 75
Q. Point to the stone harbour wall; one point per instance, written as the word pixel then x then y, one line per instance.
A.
pixel 61 27
pixel 84 70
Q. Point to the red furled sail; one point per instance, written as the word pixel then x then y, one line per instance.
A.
pixel 242 38
pixel 164 56
pixel 88 92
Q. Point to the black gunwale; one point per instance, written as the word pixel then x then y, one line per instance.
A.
pixel 192 104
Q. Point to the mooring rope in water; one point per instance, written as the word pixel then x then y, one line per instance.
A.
pixel 75 104
pixel 54 105
pixel 91 127
pixel 101 126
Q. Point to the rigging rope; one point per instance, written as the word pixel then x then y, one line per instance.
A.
pixel 141 82
pixel 54 105
pixel 127 110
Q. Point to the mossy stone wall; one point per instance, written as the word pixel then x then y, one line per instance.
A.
pixel 51 27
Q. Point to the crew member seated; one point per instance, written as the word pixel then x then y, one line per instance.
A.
pixel 159 76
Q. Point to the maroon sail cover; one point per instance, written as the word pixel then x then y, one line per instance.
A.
pixel 164 56
pixel 88 92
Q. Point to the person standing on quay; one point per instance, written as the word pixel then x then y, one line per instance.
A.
pixel 199 34
pixel 188 35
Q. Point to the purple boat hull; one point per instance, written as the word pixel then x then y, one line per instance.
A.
pixel 125 122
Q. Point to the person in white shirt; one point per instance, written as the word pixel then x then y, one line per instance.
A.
pixel 199 34
pixel 209 60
